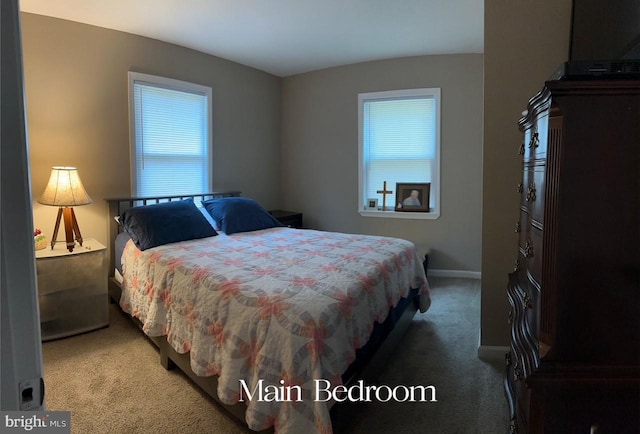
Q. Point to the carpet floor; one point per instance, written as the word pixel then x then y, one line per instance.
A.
pixel 112 382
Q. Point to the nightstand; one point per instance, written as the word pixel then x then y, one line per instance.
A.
pixel 288 218
pixel 72 289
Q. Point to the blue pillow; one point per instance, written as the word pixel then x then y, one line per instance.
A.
pixel 239 214
pixel 168 222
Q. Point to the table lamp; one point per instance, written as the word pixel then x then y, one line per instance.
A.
pixel 65 190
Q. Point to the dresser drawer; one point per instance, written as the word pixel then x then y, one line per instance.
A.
pixel 516 385
pixel 525 250
pixel 535 140
pixel 73 271
pixel 532 253
pixel 72 311
pixel 524 343
pixel 521 227
pixel 529 250
pixel 532 196
pixel 526 302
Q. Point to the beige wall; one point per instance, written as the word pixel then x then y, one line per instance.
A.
pixel 77 107
pixel 524 43
pixel 320 151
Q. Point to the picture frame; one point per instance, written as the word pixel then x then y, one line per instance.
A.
pixel 372 204
pixel 412 197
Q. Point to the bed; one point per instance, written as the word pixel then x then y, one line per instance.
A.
pixel 270 309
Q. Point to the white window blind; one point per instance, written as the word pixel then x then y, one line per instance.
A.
pixel 171 136
pixel 399 142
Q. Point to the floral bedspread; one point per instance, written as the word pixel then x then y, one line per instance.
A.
pixel 281 305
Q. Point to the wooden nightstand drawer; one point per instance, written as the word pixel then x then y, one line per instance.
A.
pixel 288 218
pixel 72 289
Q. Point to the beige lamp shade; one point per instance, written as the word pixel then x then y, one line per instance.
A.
pixel 64 189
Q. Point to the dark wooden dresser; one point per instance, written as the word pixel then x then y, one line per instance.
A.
pixel 574 364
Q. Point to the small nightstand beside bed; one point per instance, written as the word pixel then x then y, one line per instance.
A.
pixel 259 301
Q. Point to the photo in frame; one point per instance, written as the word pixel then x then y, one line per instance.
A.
pixel 372 204
pixel 412 197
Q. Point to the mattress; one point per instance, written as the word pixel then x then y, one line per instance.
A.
pixel 279 306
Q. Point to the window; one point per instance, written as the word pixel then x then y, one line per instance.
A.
pixel 399 141
pixel 170 127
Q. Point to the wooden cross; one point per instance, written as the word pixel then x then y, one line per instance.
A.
pixel 384 192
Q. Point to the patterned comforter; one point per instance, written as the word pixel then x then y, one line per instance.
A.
pixel 281 305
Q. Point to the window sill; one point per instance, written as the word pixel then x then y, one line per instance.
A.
pixel 400 215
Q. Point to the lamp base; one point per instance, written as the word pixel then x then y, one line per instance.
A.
pixel 71 228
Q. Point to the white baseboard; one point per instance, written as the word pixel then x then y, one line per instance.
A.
pixel 492 353
pixel 454 273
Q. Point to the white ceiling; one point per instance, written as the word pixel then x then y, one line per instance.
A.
pixel 286 37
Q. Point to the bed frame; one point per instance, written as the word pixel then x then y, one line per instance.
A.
pixel 170 359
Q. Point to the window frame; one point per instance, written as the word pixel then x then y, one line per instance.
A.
pixel 435 189
pixel 180 86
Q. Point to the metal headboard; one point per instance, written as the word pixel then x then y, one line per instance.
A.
pixel 118 205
